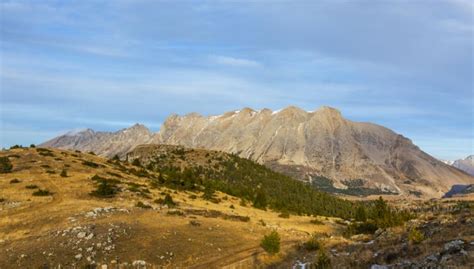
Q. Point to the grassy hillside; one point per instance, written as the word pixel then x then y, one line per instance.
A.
pixel 207 171
pixel 79 210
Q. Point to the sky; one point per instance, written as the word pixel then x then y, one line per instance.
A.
pixel 105 65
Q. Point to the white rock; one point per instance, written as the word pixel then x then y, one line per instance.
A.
pixel 89 236
pixel 78 256
pixel 139 263
pixel 81 235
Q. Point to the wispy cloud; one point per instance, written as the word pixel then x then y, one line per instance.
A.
pixel 235 62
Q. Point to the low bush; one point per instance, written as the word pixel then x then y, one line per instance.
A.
pixel 312 244
pixel 167 201
pixel 14 181
pixel 105 189
pixel 271 243
pixel 90 164
pixel 41 192
pixel 5 165
pixel 415 236
pixel 31 186
pixel 322 260
pixel 44 152
pixel 367 227
pixel 63 173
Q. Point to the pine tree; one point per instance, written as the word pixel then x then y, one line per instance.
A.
pixel 260 200
pixel 361 213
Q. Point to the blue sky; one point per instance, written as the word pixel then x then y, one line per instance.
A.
pixel 407 65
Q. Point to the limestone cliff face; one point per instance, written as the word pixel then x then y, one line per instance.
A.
pixel 322 142
pixel 300 143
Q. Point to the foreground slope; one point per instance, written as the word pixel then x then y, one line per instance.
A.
pixel 63 224
pixel 64 209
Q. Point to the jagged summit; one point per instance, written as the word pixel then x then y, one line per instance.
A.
pixel 82 131
pixel 296 142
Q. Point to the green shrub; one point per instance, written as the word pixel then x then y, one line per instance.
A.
pixel 63 173
pixel 260 200
pixel 136 162
pixel 361 214
pixel 368 227
pixel 14 181
pixel 322 260
pixel 209 194
pixel 2 200
pixel 5 165
pixel 44 152
pixel 41 192
pixel 32 146
pixel 415 236
pixel 271 243
pixel 31 186
pixel 232 207
pixel 105 189
pixel 90 164
pixel 169 201
pixel 312 244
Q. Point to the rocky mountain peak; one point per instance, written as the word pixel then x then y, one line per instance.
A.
pixel 329 112
pixel 137 128
pixel 80 132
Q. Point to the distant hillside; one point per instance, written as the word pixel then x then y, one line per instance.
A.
pixel 208 171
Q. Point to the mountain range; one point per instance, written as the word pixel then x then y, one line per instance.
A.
pixel 319 146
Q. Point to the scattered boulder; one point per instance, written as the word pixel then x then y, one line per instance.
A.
pixel 454 246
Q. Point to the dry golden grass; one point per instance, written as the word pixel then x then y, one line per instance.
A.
pixel 29 225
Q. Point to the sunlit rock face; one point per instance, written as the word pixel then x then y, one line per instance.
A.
pixel 297 142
